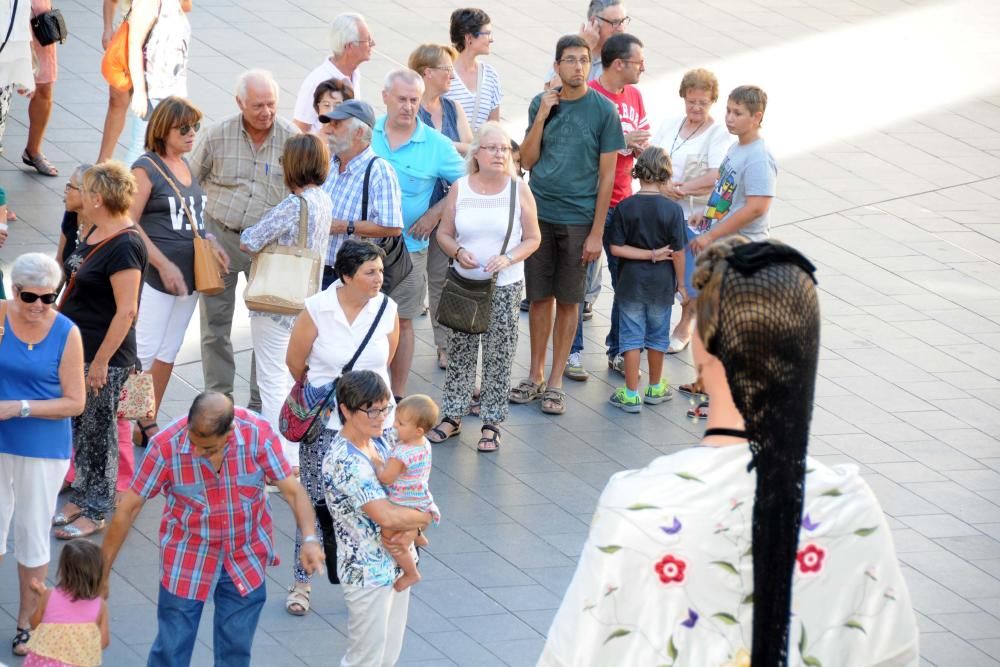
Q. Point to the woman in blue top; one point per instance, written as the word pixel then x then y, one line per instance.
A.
pixel 41 388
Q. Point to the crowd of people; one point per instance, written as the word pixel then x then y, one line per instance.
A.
pixel 425 209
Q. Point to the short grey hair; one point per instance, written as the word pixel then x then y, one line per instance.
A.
pixel 35 269
pixel 406 76
pixel 79 172
pixel 344 29
pixel 355 124
pixel 598 6
pixel 255 76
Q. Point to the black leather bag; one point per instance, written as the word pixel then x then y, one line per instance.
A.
pixel 49 27
pixel 466 304
pixel 397 258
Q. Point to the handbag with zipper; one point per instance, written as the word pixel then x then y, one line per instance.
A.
pixel 49 27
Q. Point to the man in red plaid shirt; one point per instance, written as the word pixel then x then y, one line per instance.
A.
pixel 210 467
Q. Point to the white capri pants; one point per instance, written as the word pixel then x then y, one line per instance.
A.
pixel 162 323
pixel 376 622
pixel 29 490
pixel 270 345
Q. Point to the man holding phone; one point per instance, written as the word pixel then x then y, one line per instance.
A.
pixel 604 19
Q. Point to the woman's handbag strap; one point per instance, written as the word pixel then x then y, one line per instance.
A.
pixel 10 28
pixel 510 216
pixel 368 336
pixel 303 221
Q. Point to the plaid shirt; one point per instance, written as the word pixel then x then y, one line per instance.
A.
pixel 211 516
pixel 385 204
pixel 242 182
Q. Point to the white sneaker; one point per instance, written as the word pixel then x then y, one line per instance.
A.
pixel 574 368
pixel 617 364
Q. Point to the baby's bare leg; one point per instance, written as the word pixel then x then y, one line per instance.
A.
pixel 397 543
pixel 421 539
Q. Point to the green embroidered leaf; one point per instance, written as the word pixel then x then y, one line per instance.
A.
pixel 728 567
pixel 609 549
pixel 689 477
pixel 889 595
pixel 833 493
pixel 748 599
pixel 811 661
pixel 802 641
pixel 736 506
pixel 865 532
pixel 748 552
pixel 641 506
pixel 728 619
pixel 671 649
pixel 855 626
pixel 620 632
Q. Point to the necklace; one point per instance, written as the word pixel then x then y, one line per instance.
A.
pixel 673 144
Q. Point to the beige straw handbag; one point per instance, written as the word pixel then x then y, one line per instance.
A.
pixel 282 277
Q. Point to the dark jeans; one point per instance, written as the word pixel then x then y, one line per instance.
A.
pixel 611 341
pixel 235 624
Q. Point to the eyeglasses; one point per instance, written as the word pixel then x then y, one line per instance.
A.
pixel 70 186
pixel 498 149
pixel 375 413
pixel 481 33
pixel 573 62
pixel 370 42
pixel 700 104
pixel 615 23
pixel 31 297
pixel 449 69
pixel 186 129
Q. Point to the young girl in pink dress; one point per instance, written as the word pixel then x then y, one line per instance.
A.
pixel 71 621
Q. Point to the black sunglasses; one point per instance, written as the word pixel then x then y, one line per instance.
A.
pixel 31 297
pixel 186 129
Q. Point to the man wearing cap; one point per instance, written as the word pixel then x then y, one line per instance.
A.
pixel 420 155
pixel 348 131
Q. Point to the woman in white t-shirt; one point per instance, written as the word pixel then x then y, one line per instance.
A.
pixel 325 337
pixel 697 145
pixel 473 227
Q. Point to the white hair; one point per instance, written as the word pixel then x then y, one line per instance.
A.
pixel 35 269
pixel 406 76
pixel 255 76
pixel 355 124
pixel 344 29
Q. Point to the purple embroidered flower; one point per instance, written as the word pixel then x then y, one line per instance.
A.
pixel 691 620
pixel 808 524
pixel 673 529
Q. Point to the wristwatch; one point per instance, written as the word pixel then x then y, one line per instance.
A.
pixel 25 409
pixel 311 538
pixel 350 227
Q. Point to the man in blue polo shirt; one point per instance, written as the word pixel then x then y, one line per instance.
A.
pixel 420 155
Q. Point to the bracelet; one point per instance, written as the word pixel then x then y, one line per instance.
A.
pixel 311 538
pixel 457 252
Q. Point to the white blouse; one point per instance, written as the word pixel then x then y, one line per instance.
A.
pixel 710 145
pixel 666 574
pixel 338 340
pixel 481 226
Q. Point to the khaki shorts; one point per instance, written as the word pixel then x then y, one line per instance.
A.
pixel 48 68
pixel 409 294
pixel 556 269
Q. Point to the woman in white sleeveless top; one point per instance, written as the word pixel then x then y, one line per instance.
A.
pixel 472 231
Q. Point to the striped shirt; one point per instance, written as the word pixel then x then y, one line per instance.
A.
pixel 490 98
pixel 242 182
pixel 213 516
pixel 385 207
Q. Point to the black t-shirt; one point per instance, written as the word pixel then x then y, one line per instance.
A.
pixel 647 221
pixel 91 303
pixel 71 230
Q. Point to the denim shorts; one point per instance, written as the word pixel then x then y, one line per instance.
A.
pixel 642 325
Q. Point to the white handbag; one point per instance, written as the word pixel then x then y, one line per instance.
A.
pixel 283 277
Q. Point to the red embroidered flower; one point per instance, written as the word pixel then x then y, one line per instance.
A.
pixel 811 559
pixel 670 569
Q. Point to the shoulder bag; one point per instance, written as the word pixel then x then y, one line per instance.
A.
pixel 49 27
pixel 282 277
pixel 207 268
pixel 114 64
pixel 10 28
pixel 397 258
pixel 466 304
pixel 303 420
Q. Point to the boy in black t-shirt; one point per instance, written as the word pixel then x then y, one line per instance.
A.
pixel 647 230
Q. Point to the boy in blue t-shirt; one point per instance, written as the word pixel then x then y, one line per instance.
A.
pixel 647 230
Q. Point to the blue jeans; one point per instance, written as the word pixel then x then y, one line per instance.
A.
pixel 612 339
pixel 235 625
pixel 644 326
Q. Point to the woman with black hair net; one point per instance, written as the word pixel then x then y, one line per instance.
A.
pixel 743 549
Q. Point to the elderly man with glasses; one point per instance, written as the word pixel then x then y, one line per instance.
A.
pixel 604 19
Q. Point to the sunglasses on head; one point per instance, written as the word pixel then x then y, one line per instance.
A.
pixel 31 297
pixel 186 129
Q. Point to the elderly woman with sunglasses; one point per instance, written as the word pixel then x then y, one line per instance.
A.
pixel 41 388
pixel 167 223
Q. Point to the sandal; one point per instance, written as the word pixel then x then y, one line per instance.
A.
pixel 439 435
pixel 39 163
pixel 62 518
pixel 698 412
pixel 297 602
pixel 71 531
pixel 526 391
pixel 20 644
pixel 677 345
pixel 554 401
pixel 475 407
pixel 144 433
pixel 692 388
pixel 486 443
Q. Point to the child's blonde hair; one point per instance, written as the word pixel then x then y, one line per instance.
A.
pixel 422 409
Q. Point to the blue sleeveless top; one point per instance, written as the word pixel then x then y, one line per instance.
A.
pixel 449 128
pixel 34 375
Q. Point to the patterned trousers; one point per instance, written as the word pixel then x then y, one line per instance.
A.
pixel 311 475
pixel 499 343
pixel 95 447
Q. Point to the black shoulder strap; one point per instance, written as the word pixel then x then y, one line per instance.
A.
pixel 368 336
pixel 364 189
pixel 10 28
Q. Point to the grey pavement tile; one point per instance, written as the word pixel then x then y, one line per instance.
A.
pixel 517 652
pixel 519 545
pixel 524 598
pixel 961 502
pixel 947 649
pixel 972 547
pixel 540 619
pixel 462 649
pixel 486 570
pixel 866 449
pixel 939 525
pixel 456 598
pixel 546 519
pixel 897 500
pixel 960 576
pixel 304 643
pixel 418 650
pixel 977 480
pixel 497 627
pixel 907 471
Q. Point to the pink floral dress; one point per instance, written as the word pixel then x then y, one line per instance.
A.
pixel 68 635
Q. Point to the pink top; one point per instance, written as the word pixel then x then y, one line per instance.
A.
pixel 61 609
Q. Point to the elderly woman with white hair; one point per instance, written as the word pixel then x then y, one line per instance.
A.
pixel 351 44
pixel 41 388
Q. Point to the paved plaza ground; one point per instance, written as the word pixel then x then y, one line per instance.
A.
pixel 883 117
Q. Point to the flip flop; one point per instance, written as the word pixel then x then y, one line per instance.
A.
pixel 439 435
pixel 71 532
pixel 699 411
pixel 39 163
pixel 486 443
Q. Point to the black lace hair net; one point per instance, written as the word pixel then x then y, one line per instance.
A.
pixel 767 338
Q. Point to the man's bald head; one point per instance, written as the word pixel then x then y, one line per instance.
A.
pixel 211 414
